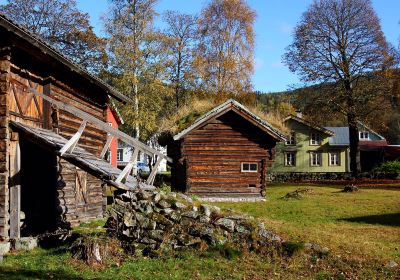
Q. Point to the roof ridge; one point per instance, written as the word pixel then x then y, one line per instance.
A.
pixel 8 23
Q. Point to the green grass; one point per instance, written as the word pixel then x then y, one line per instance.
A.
pixel 362 230
pixel 364 224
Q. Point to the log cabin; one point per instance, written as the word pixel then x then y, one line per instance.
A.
pixel 224 154
pixel 53 138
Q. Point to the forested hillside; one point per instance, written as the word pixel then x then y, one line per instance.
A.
pixel 382 115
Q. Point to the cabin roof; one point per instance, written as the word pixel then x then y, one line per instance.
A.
pixel 307 123
pixel 39 43
pixel 241 110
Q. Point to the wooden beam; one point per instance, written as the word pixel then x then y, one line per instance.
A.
pixel 15 190
pixel 106 146
pixel 153 173
pixel 128 168
pixel 71 144
pixel 102 125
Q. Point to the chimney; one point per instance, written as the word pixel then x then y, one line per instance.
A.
pixel 299 114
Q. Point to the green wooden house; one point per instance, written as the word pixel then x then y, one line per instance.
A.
pixel 314 149
pixel 308 149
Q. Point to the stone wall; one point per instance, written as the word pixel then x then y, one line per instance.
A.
pixel 283 177
pixel 157 221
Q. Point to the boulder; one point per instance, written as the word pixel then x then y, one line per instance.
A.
pixel 226 224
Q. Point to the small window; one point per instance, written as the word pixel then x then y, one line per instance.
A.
pixel 315 139
pixel 120 154
pixel 290 159
pixel 249 167
pixel 292 139
pixel 315 159
pixel 364 135
pixel 334 159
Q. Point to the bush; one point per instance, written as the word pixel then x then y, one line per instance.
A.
pixel 389 167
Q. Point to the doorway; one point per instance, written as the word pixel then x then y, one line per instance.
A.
pixel 38 189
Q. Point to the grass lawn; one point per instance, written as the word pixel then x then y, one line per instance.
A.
pixel 361 229
pixel 365 224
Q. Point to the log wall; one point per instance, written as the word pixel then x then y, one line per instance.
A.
pixel 4 140
pixel 210 158
pixel 80 195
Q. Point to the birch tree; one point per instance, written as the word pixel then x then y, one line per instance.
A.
pixel 180 38
pixel 224 57
pixel 131 39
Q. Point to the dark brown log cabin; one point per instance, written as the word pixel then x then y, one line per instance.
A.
pixel 225 153
pixel 52 190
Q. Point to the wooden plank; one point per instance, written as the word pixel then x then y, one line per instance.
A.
pixel 15 189
pixel 150 179
pixel 106 146
pixel 71 144
pixel 104 126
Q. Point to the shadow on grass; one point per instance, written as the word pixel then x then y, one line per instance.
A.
pixel 384 219
pixel 12 273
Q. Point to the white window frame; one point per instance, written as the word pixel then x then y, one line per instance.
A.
pixel 122 154
pixel 243 169
pixel 317 162
pixel 336 161
pixel 363 135
pixel 291 140
pixel 293 159
pixel 315 141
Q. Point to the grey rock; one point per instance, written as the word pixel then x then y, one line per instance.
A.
pixel 166 211
pixel 174 216
pixel 186 198
pixel 156 235
pixel 392 264
pixel 215 209
pixel 4 248
pixel 179 205
pixel 25 243
pixel 142 195
pixel 227 224
pixel 147 240
pixel 129 220
pixel 269 235
pixel 156 197
pixel 241 229
pixel 205 209
pixel 163 204
pixel 190 214
pixel 204 219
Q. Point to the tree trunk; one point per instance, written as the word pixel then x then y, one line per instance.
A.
pixel 355 166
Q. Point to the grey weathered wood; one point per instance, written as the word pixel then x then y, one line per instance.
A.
pixel 79 157
pixel 106 146
pixel 153 173
pixel 15 190
pixel 128 168
pixel 71 144
pixel 101 125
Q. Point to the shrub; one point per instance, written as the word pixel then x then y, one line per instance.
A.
pixel 389 167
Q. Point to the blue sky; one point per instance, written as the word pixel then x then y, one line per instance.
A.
pixel 273 28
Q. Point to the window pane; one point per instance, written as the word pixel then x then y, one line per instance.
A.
pixel 253 167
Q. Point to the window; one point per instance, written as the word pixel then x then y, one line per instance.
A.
pixel 249 167
pixel 292 139
pixel 315 159
pixel 364 135
pixel 334 158
pixel 290 159
pixel 315 139
pixel 120 154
